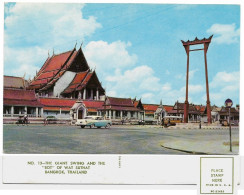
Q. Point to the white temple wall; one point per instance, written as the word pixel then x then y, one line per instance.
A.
pixel 63 83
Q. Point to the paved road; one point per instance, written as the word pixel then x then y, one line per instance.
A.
pixel 54 139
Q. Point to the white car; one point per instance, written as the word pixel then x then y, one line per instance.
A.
pixel 94 121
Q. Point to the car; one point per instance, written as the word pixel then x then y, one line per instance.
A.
pixel 50 120
pixel 93 121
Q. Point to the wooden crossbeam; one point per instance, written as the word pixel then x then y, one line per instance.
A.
pixel 196 49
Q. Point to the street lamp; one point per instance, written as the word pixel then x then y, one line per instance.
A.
pixel 228 104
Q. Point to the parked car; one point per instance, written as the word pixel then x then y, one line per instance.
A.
pixel 50 120
pixel 93 121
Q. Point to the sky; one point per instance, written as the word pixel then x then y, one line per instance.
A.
pixel 135 49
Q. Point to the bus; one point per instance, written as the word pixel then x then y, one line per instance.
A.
pixel 171 120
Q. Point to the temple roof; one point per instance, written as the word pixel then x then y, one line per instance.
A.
pixel 114 101
pixel 19 97
pixel 120 104
pixel 150 107
pixel 168 108
pixel 55 66
pixel 81 80
pixel 14 82
pixel 57 102
pixel 54 104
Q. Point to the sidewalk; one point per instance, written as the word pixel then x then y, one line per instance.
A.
pixel 202 147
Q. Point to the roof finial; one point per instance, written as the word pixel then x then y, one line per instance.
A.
pixel 48 54
pixel 161 102
pixel 53 51
pixel 75 44
pixel 24 75
pixel 81 44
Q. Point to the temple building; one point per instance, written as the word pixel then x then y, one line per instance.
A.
pixel 122 108
pixel 67 75
pixel 162 111
pixel 150 110
pixel 18 101
pixel 194 115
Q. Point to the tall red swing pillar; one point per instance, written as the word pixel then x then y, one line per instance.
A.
pixel 187 45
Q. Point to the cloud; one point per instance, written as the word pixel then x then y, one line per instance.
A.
pixel 106 56
pixel 133 82
pixel 46 24
pixel 166 87
pixel 223 79
pixel 25 61
pixel 193 89
pixel 148 98
pixel 225 33
pixel 192 73
pixel 225 85
pixel 31 29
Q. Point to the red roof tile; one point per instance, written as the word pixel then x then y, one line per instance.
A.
pixel 57 102
pixel 151 107
pixel 18 94
pixel 120 101
pixel 20 97
pixel 78 80
pixel 168 108
pixel 93 104
pixel 57 61
pixel 52 68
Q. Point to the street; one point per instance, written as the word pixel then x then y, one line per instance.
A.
pixel 58 139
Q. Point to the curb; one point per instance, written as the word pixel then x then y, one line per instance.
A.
pixel 194 152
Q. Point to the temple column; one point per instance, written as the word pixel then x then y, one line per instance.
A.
pixel 79 95
pixel 36 111
pixel 12 111
pixel 121 114
pixel 42 112
pixel 97 94
pixel 139 115
pixel 110 114
pixel 84 94
pixel 92 94
pixel 25 110
pixel 114 114
pixel 128 114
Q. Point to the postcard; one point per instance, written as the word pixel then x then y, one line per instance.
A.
pixel 122 93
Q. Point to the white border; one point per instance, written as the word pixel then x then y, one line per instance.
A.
pixel 115 187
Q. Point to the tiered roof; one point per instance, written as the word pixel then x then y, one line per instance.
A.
pixel 20 97
pixel 81 80
pixel 55 66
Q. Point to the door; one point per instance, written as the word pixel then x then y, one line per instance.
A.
pixel 80 114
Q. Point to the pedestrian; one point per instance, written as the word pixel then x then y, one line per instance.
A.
pixel 45 121
pixel 200 125
pixel 25 119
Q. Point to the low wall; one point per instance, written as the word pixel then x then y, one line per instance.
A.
pixel 13 120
